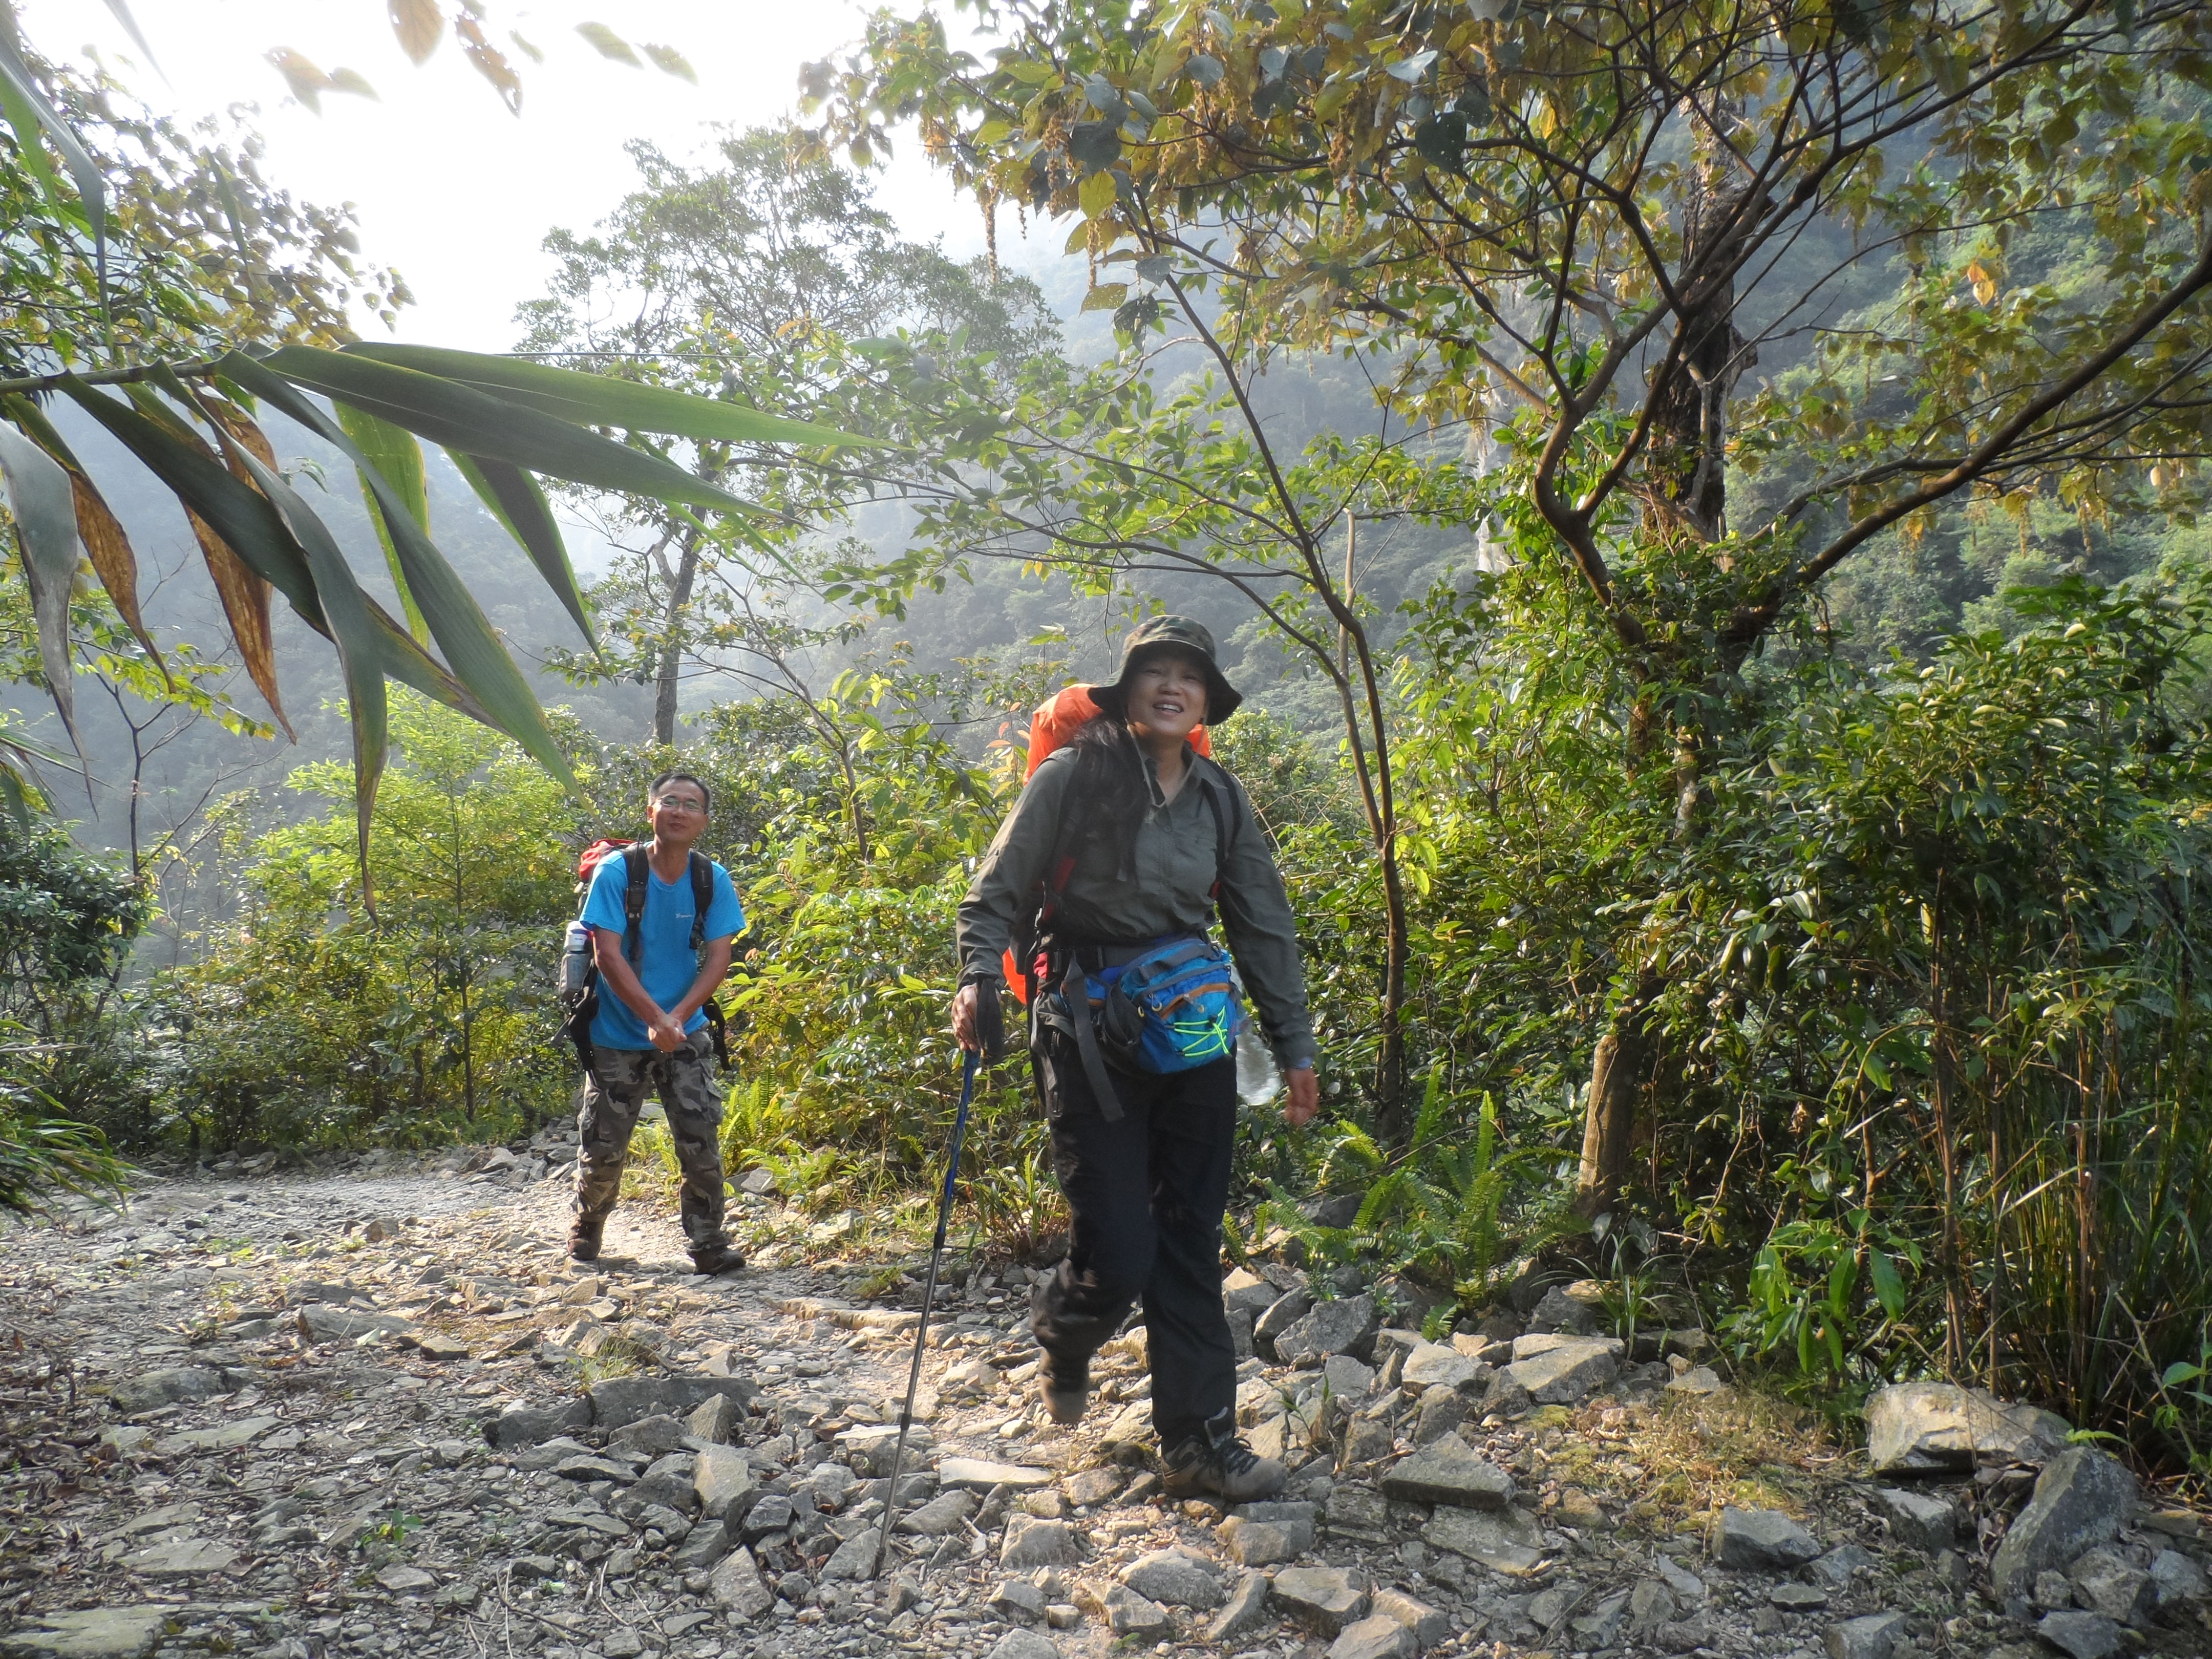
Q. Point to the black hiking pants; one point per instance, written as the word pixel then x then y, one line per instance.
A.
pixel 1147 1194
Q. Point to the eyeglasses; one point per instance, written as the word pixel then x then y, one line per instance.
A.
pixel 682 804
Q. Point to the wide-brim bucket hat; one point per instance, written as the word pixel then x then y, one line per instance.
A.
pixel 1171 633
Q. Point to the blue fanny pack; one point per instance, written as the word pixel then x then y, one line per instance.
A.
pixel 1174 1008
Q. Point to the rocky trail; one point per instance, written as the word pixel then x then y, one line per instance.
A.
pixel 372 1410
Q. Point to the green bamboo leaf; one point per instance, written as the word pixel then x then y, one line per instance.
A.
pixel 44 502
pixel 472 650
pixel 463 417
pixel 570 394
pixel 395 453
pixel 240 515
pixel 353 630
pixel 514 499
pixel 1888 1284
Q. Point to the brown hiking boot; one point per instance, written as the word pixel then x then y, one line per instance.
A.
pixel 1216 1460
pixel 584 1234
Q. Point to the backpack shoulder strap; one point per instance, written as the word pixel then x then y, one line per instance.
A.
pixel 703 896
pixel 1226 822
pixel 637 866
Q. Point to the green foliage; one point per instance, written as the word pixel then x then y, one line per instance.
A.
pixel 305 1020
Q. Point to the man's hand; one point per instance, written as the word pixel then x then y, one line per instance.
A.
pixel 666 1033
pixel 1305 1097
pixel 964 1019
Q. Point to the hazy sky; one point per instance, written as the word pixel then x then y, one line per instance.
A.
pixel 451 189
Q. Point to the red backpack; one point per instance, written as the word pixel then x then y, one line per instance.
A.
pixel 1057 719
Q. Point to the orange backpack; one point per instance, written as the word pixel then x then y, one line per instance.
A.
pixel 1057 719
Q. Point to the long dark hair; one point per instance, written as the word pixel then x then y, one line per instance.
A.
pixel 1109 791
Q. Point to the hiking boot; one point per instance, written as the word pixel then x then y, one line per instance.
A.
pixel 584 1233
pixel 1217 1460
pixel 719 1260
pixel 1064 1385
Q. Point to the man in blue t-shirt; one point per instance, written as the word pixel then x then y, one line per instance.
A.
pixel 650 1034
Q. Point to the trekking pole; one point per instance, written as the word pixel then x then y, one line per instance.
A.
pixel 987 1023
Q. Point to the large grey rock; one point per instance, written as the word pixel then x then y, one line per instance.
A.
pixel 651 1436
pixel 1174 1578
pixel 873 1446
pixel 1433 1364
pixel 1839 1565
pixel 1764 1540
pixel 1448 1470
pixel 151 1389
pixel 182 1557
pixel 1651 1605
pixel 1873 1637
pixel 1247 1601
pixel 854 1560
pixel 708 1543
pixel 2081 1635
pixel 1357 1510
pixel 1578 1308
pixel 521 1425
pixel 622 1400
pixel 2106 1582
pixel 939 1516
pixel 1129 1613
pixel 1346 1325
pixel 1268 1535
pixel 1327 1598
pixel 2175 1579
pixel 980 1474
pixel 721 1482
pixel 1030 1543
pixel 319 1323
pixel 97 1633
pixel 1348 1379
pixel 1561 1369
pixel 1443 1411
pixel 717 1418
pixel 2080 1498
pixel 1285 1311
pixel 736 1584
pixel 1918 1520
pixel 1429 1626
pixel 666 1484
pixel 1506 1541
pixel 1601 1626
pixel 1374 1637
pixel 1689 1588
pixel 1023 1645
pixel 1249 1292
pixel 1923 1427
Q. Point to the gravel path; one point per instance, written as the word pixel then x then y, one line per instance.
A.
pixel 375 1411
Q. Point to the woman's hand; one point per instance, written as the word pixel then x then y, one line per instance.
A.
pixel 963 1019
pixel 1304 1097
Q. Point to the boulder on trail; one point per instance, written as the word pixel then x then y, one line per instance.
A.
pixel 2079 1500
pixel 1919 1428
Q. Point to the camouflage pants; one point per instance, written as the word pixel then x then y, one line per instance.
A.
pixel 613 1093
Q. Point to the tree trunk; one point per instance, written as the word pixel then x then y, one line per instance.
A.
pixel 1618 1071
pixel 1685 493
pixel 671 650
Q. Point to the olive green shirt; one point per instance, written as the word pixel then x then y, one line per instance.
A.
pixel 1175 864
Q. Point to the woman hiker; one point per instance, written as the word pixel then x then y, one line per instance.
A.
pixel 1125 838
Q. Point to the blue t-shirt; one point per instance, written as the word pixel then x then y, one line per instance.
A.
pixel 664 962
